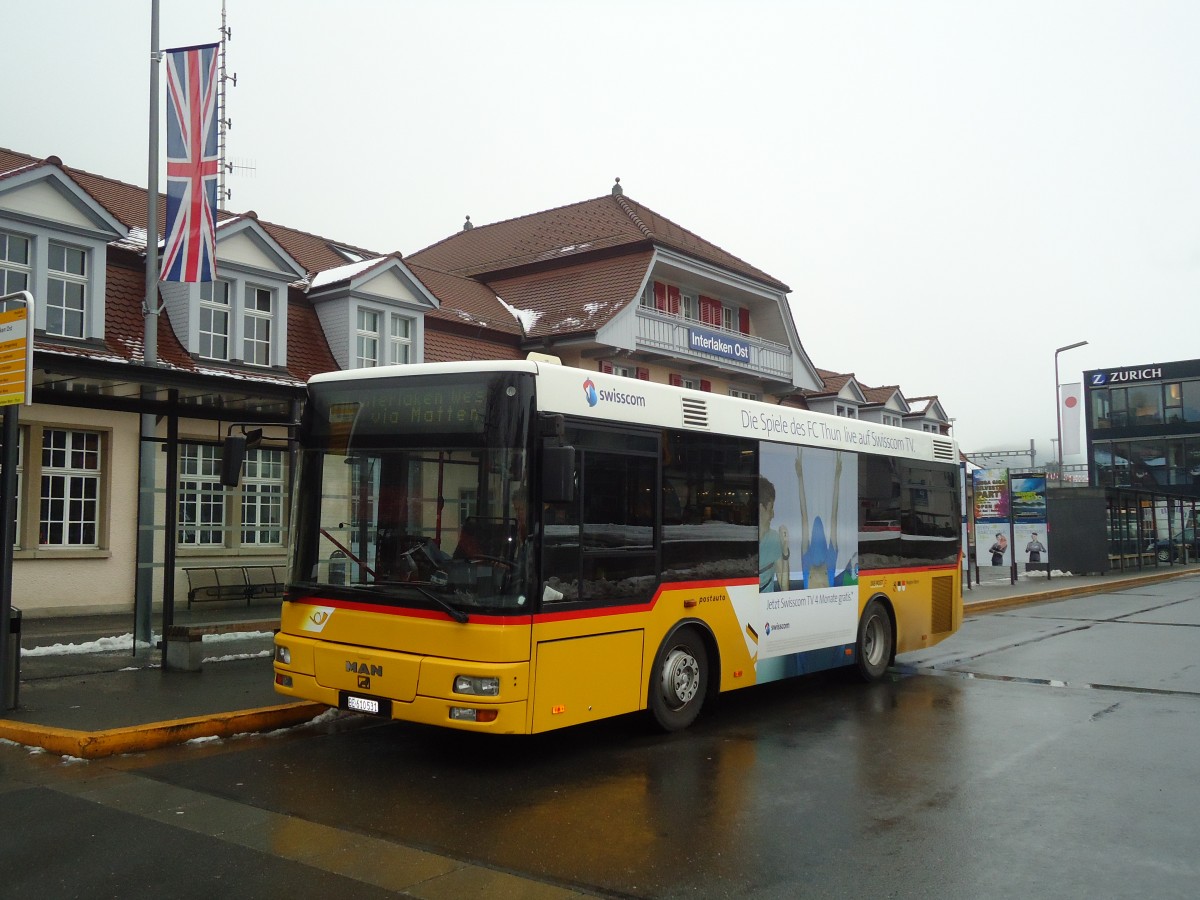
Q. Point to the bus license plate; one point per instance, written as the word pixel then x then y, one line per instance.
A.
pixel 371 706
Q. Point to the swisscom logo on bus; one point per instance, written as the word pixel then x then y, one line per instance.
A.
pixel 594 395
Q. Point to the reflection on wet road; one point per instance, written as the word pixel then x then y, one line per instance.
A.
pixel 989 767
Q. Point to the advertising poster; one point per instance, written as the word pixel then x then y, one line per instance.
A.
pixel 992 511
pixel 808 555
pixel 1029 522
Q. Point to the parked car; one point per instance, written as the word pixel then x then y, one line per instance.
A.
pixel 1187 539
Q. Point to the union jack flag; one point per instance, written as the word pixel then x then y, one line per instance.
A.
pixel 192 161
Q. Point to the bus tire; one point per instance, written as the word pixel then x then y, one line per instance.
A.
pixel 876 645
pixel 679 680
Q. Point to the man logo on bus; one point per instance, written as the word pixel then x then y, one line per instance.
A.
pixel 767 629
pixel 589 393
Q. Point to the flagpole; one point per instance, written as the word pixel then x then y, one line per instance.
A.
pixel 143 603
pixel 150 309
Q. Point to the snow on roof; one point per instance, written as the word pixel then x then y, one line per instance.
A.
pixel 527 318
pixel 346 272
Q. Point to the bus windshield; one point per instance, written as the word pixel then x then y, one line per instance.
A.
pixel 411 492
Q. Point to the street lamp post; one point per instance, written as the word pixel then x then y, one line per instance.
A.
pixel 1058 401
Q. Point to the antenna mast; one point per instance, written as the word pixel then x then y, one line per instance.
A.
pixel 224 123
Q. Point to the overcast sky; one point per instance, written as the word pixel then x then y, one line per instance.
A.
pixel 951 189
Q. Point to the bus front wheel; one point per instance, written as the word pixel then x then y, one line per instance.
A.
pixel 680 680
pixel 875 647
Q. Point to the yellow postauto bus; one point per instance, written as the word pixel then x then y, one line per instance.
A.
pixel 519 546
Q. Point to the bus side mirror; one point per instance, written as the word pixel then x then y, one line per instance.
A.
pixel 233 454
pixel 558 474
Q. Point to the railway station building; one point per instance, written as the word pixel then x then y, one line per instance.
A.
pixel 118 469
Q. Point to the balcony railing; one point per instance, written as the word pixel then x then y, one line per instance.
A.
pixel 687 338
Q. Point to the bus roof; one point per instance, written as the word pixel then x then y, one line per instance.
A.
pixel 619 399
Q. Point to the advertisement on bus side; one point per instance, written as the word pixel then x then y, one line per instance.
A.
pixel 808 556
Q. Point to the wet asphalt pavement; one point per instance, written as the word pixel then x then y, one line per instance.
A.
pixel 1044 751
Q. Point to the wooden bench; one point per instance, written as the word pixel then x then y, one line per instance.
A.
pixel 251 582
pixel 185 643
pixel 1122 561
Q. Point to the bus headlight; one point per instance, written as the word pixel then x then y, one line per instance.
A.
pixel 476 686
pixel 283 655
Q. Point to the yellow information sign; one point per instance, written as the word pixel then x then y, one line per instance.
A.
pixel 14 353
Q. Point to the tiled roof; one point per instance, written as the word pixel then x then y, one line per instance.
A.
pixel 124 327
pixel 575 299
pixel 442 346
pixel 833 383
pixel 465 301
pixel 307 351
pixel 128 204
pixel 589 227
pixel 880 395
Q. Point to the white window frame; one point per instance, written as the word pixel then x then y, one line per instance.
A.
pixel 76 465
pixel 366 341
pixel 201 519
pixel 17 519
pixel 11 269
pixel 71 282
pixel 400 347
pixel 262 487
pixel 468 504
pixel 689 307
pixel 212 306
pixel 744 395
pixel 253 318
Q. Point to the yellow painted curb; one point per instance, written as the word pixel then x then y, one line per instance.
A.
pixel 1077 591
pixel 155 735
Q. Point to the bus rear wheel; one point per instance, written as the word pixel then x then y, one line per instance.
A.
pixel 876 646
pixel 679 680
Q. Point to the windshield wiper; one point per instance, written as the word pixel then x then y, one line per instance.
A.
pixel 452 611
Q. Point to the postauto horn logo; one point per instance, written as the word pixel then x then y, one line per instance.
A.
pixel 589 392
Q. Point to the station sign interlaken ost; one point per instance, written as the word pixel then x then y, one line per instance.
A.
pixel 14 352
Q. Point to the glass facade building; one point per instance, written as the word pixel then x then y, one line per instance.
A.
pixel 1143 427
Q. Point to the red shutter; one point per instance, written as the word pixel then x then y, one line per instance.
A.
pixel 705 385
pixel 743 320
pixel 660 296
pixel 710 311
pixel 643 374
pixel 605 367
pixel 676 380
pixel 673 300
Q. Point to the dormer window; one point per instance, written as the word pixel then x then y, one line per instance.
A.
pixel 14 263
pixel 366 354
pixel 347 254
pixel 400 339
pixel 66 290
pixel 256 326
pixel 214 320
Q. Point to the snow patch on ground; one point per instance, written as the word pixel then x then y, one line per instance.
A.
pixel 122 642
